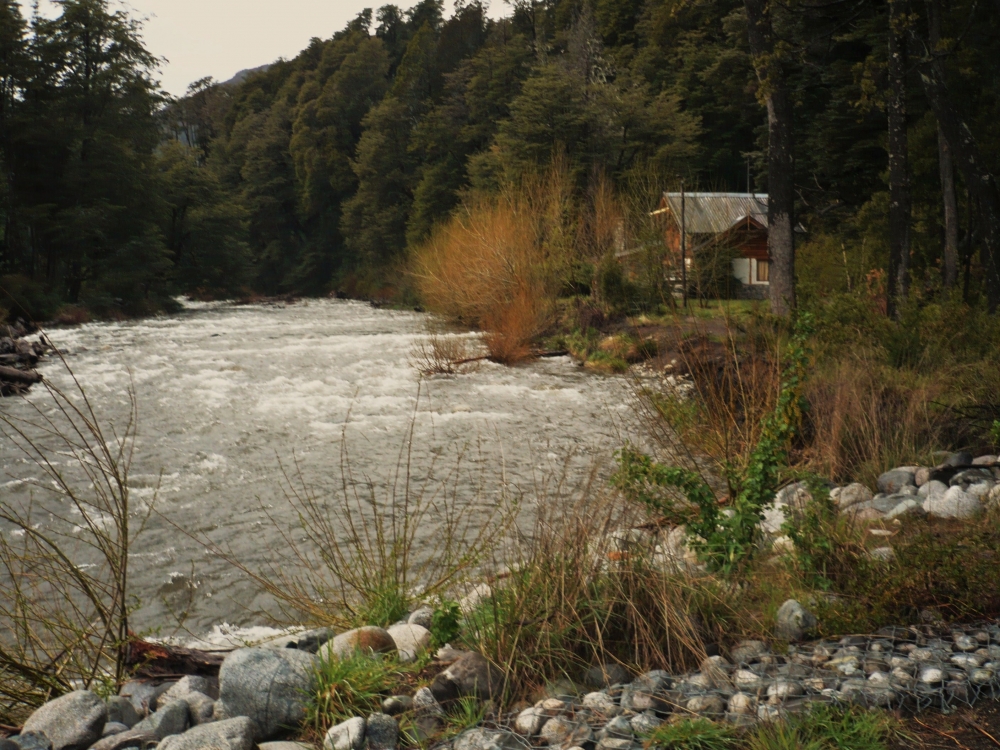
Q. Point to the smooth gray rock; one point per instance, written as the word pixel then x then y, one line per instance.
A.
pixel 706 704
pixel 909 507
pixel 382 732
pixel 602 704
pixel 793 621
pixel 850 495
pixel 645 723
pixel 367 640
pixel 142 694
pixel 411 640
pixel 395 705
pixel 191 684
pixel 169 719
pixel 746 651
pixel 201 708
pixel 72 722
pixel 530 721
pixel 987 460
pixel 933 487
pixel 955 503
pixel 122 711
pixel 31 741
pixel 112 728
pixel 486 739
pixel 424 617
pixel 893 481
pixel 311 640
pixel 958 459
pixel 424 703
pixel 473 675
pixel 231 734
pixel 270 686
pixel 971 476
pixel 348 735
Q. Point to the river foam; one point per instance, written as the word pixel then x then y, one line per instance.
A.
pixel 228 394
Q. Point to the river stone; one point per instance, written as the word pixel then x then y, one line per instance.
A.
pixel 931 675
pixel 620 726
pixel 893 481
pixel 793 621
pixel 30 741
pixel 72 722
pixel 987 460
pixel 742 703
pixel 348 735
pixel 424 703
pixel 366 640
pixel 201 708
pixel 955 503
pixel 922 476
pixel 602 704
pixel 112 728
pixel 231 734
pixel 395 705
pixel 121 710
pixel 271 686
pixel 781 690
pixel 971 476
pixel 143 694
pixel 382 732
pixel 530 721
pixel 284 746
pixel 191 684
pixel 746 651
pixel 958 460
pixel 645 723
pixel 933 487
pixel 910 506
pixel 706 704
pixel 473 675
pixel 747 680
pixel 171 718
pixel 410 640
pixel 486 739
pixel 850 495
pixel 424 617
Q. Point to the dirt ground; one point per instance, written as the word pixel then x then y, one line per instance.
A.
pixel 976 728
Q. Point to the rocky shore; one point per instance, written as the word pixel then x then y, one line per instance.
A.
pixel 18 358
pixel 259 696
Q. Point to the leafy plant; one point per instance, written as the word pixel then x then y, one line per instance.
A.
pixel 724 541
pixel 446 622
pixel 693 734
pixel 995 432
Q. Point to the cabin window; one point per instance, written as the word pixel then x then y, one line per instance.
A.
pixel 763 271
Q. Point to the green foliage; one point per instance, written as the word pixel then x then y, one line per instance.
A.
pixel 995 432
pixel 350 687
pixel 811 531
pixel 383 602
pixel 825 726
pixel 446 623
pixel 607 362
pixel 694 734
pixel 724 541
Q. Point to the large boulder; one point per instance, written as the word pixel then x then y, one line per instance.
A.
pixel 793 621
pixel 471 675
pixel 411 640
pixel 270 686
pixel 893 481
pixel 366 640
pixel 72 722
pixel 192 684
pixel 955 503
pixel 122 711
pixel 231 734
pixel 143 694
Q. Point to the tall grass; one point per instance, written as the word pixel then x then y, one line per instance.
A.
pixel 64 562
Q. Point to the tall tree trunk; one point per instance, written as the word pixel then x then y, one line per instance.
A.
pixel 946 163
pixel 780 156
pixel 980 181
pixel 899 180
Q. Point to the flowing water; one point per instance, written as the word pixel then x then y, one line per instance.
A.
pixel 227 393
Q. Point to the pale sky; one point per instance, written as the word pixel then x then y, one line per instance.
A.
pixel 219 38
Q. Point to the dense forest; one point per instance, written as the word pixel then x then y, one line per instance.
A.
pixel 877 124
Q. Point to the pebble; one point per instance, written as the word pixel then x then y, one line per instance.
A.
pixel 530 721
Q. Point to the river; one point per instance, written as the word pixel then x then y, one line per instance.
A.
pixel 226 394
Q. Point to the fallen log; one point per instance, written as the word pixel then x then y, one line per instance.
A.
pixel 22 377
pixel 158 659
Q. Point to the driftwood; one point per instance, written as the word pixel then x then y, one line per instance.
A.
pixel 159 660
pixel 21 377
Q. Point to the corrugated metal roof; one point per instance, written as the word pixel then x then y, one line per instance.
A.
pixel 712 213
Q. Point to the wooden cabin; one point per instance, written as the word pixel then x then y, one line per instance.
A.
pixel 736 220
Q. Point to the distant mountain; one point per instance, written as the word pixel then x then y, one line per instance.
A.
pixel 240 77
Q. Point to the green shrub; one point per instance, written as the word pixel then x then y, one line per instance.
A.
pixel 694 734
pixel 445 623
pixel 351 687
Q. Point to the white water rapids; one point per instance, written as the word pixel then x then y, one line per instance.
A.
pixel 226 392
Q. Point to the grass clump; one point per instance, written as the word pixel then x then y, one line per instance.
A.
pixel 823 727
pixel 694 734
pixel 351 687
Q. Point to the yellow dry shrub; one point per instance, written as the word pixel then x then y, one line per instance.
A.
pixel 497 264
